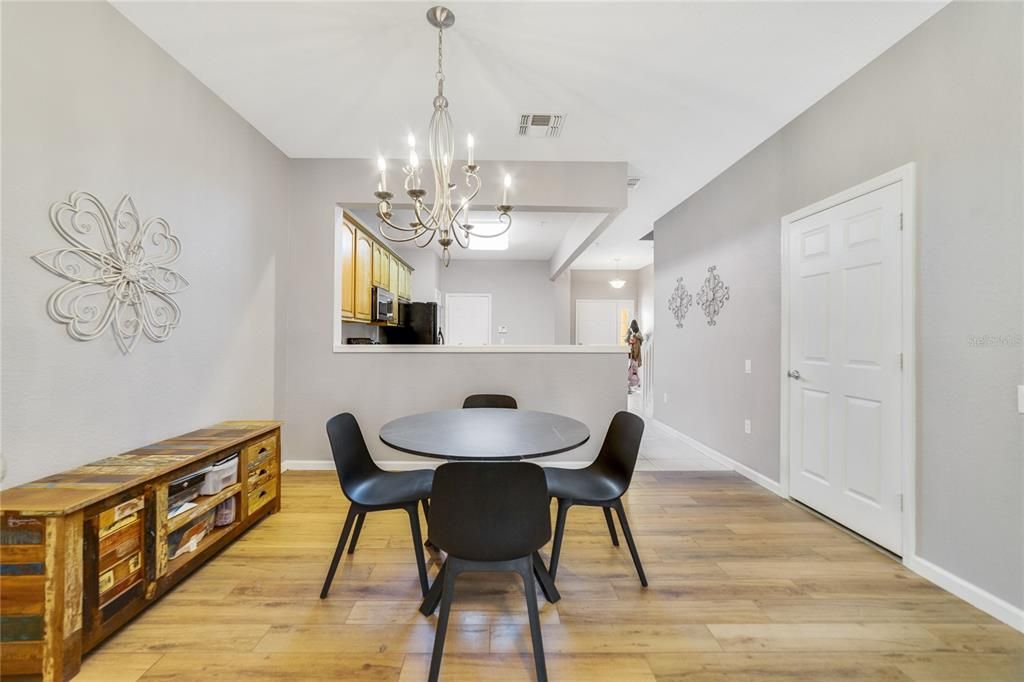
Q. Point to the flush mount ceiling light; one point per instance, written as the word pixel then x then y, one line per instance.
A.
pixel 617 282
pixel 448 218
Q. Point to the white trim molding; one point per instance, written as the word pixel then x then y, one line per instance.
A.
pixel 972 594
pixel 724 460
pixel 907 176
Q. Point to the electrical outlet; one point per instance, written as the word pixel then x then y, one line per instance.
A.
pixel 746 366
pixel 1020 399
pixel 665 398
pixel 746 426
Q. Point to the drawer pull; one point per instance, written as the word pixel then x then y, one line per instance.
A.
pixel 263 493
pixel 263 471
pixel 263 450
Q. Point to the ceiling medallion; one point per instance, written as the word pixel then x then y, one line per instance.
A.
pixel 712 295
pixel 679 302
pixel 448 218
pixel 119 272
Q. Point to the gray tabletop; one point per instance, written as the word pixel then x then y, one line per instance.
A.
pixel 484 434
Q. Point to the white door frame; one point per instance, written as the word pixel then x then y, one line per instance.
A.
pixel 908 382
pixel 463 294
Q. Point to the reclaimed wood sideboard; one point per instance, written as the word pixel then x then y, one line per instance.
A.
pixel 82 552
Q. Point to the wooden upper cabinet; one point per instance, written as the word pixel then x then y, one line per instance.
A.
pixel 394 276
pixel 363 277
pixel 378 255
pixel 348 269
pixel 404 288
pixel 385 269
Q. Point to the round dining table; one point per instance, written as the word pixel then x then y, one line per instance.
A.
pixel 486 434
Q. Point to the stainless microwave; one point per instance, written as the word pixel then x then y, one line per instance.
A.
pixel 383 305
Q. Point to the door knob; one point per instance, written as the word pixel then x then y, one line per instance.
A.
pixel 794 374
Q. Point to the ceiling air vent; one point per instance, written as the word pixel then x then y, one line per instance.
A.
pixel 541 125
pixel 632 181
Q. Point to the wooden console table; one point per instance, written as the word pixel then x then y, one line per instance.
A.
pixel 84 551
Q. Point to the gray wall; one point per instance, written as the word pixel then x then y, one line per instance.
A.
pixel 317 383
pixel 949 98
pixel 593 284
pixel 523 297
pixel 90 103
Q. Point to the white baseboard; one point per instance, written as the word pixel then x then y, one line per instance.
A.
pixel 402 465
pixel 970 593
pixel 724 460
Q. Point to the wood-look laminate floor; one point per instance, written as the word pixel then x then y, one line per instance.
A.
pixel 743 586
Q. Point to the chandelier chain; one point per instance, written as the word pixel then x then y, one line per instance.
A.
pixel 440 54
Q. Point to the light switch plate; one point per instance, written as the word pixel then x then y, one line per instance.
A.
pixel 1020 399
pixel 746 426
pixel 746 366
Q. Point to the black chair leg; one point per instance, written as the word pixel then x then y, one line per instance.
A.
pixel 526 571
pixel 556 548
pixel 417 542
pixel 433 597
pixel 611 525
pixel 355 533
pixel 447 592
pixel 629 541
pixel 426 514
pixel 337 552
pixel 547 583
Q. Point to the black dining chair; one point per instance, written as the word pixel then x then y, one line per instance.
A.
pixel 369 488
pixel 602 484
pixel 490 400
pixel 489 517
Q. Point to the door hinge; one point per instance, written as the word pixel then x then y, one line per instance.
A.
pixel 901 222
pixel 899 500
pixel 901 360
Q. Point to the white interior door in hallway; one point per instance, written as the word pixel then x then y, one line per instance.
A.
pixel 601 322
pixel 467 319
pixel 845 342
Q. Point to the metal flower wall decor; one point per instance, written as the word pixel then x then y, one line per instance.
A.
pixel 118 269
pixel 679 302
pixel 712 296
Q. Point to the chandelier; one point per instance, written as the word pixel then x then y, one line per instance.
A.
pixel 448 219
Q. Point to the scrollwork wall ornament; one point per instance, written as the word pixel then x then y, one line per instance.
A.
pixel 118 269
pixel 712 296
pixel 679 302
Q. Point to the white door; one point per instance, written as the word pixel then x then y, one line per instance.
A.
pixel 845 363
pixel 602 322
pixel 467 319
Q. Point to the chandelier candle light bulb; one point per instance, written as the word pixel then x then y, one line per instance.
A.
pixel 382 166
pixel 448 218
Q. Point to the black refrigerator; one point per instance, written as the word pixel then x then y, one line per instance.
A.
pixel 418 325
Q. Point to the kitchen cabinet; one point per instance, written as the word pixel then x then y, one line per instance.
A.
pixel 348 269
pixel 367 262
pixel 378 256
pixel 395 281
pixel 363 277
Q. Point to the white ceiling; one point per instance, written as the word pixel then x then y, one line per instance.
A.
pixel 680 91
pixel 534 235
